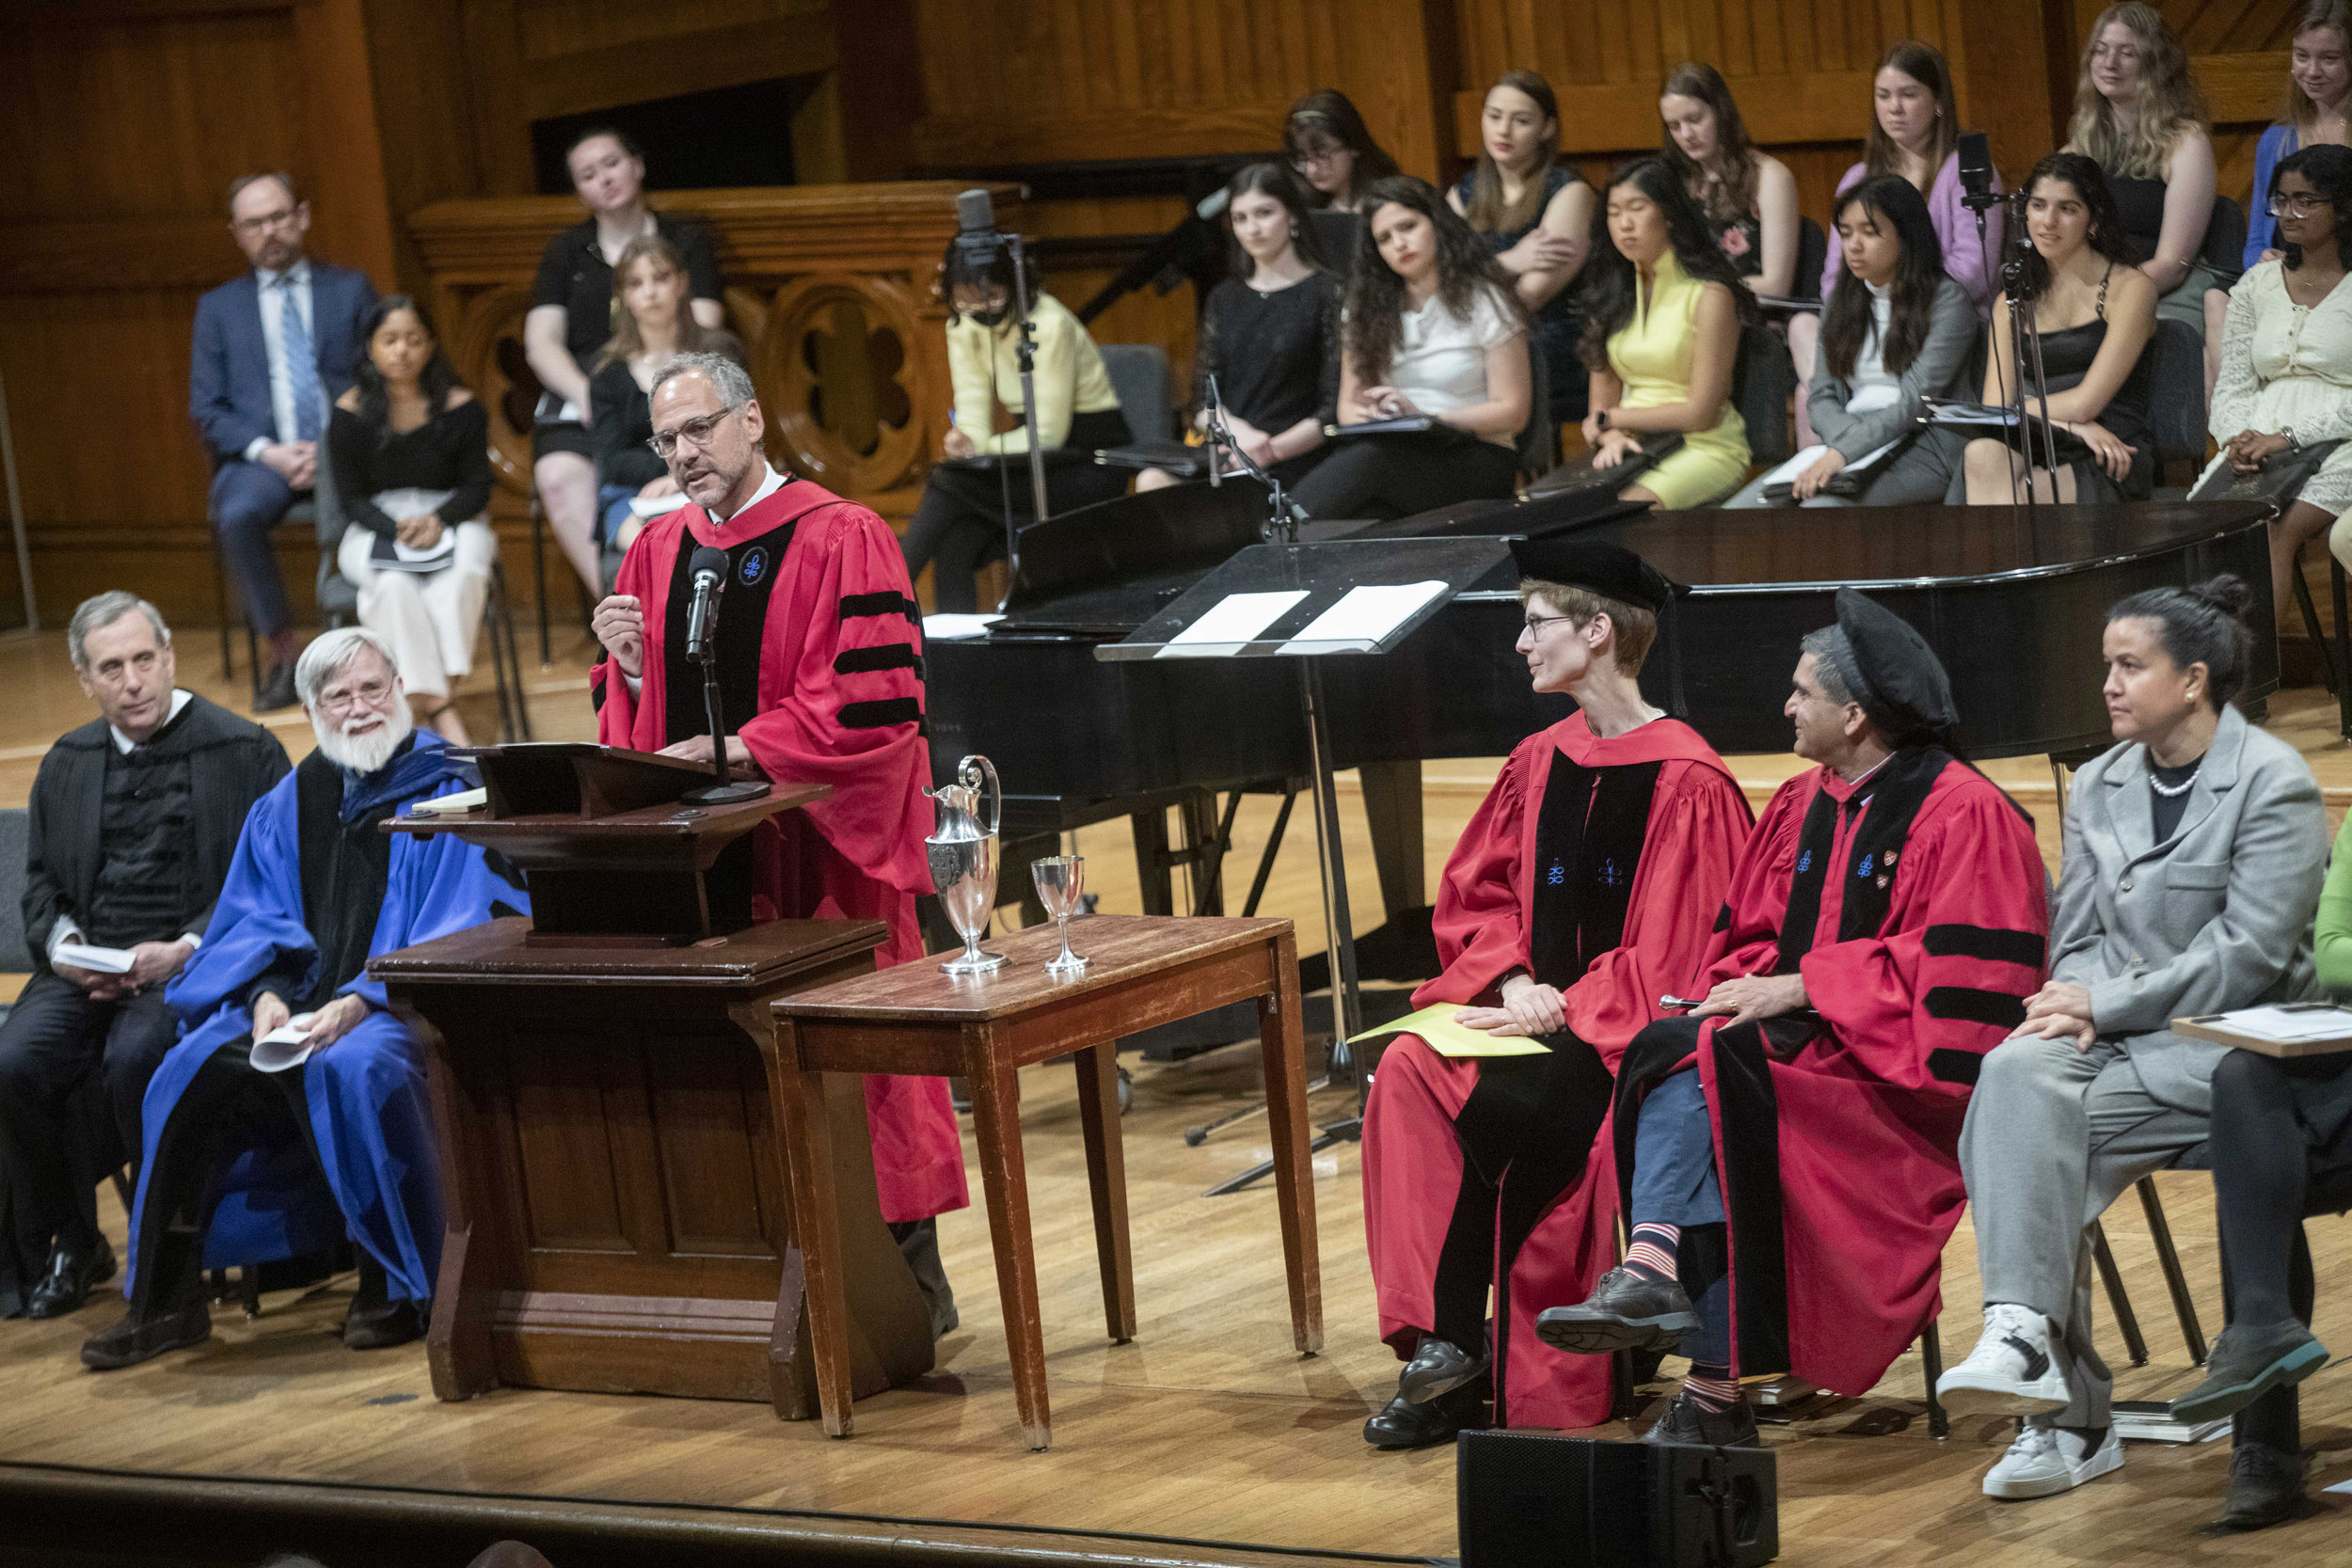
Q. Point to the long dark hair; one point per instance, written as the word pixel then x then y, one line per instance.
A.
pixel 960 265
pixel 1297 197
pixel 2328 168
pixel 1725 185
pixel 1609 277
pixel 436 381
pixel 1846 320
pixel 1330 114
pixel 2205 625
pixel 1488 213
pixel 1375 294
pixel 1925 64
pixel 2107 236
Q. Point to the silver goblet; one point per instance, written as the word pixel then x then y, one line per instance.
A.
pixel 1061 888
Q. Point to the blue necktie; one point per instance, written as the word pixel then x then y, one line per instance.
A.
pixel 302 371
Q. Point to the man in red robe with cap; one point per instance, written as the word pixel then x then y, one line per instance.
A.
pixel 1790 1153
pixel 819 666
pixel 1583 891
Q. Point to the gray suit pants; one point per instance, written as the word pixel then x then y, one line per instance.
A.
pixel 2054 1135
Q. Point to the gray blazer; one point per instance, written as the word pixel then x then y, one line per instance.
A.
pixel 1938 371
pixel 2217 917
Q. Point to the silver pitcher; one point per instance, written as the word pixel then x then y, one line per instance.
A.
pixel 963 854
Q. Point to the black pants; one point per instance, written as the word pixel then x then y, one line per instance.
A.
pixel 1397 476
pixel 2282 1148
pixel 960 525
pixel 56 1046
pixel 229 1104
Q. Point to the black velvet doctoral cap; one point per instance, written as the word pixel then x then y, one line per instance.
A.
pixel 1891 671
pixel 1610 570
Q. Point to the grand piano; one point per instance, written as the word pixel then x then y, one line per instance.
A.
pixel 2013 600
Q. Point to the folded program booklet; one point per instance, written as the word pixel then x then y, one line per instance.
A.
pixel 1448 1039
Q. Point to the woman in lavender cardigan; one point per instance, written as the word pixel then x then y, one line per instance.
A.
pixel 1915 132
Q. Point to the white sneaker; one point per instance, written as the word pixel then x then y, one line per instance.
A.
pixel 2010 1373
pixel 2048 1460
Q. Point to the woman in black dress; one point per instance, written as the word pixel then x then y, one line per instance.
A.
pixel 408 450
pixel 651 323
pixel 1270 332
pixel 571 316
pixel 2096 313
pixel 1536 211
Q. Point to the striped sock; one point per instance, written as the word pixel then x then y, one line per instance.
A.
pixel 1712 1388
pixel 1652 1252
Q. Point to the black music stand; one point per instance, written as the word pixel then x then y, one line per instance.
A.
pixel 1315 577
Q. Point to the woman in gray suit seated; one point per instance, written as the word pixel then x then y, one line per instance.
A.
pixel 2194 853
pixel 1896 332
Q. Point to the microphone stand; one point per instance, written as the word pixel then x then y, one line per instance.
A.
pixel 725 790
pixel 1282 514
pixel 1024 356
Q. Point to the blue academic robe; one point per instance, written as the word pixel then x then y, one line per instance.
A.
pixel 368 1114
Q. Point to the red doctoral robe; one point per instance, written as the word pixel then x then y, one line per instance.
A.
pixel 1837 1141
pixel 842 630
pixel 1413 1163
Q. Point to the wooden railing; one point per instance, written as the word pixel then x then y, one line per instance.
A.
pixel 832 288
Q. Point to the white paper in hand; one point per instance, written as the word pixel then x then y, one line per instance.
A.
pixel 98 960
pixel 286 1046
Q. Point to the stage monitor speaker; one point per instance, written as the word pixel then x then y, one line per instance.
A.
pixel 1531 1500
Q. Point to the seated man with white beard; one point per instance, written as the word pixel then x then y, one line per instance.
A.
pixel 246 1166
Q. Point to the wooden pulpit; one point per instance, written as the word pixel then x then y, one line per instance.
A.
pixel 603 1077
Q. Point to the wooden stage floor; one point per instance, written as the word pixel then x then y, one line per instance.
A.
pixel 1207 1436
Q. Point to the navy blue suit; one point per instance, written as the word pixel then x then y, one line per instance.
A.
pixel 228 397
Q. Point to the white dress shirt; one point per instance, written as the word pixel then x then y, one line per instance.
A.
pixel 273 285
pixel 769 487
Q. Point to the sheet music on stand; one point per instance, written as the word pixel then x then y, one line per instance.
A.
pixel 1308 602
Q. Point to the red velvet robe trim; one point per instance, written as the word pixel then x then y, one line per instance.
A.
pixel 857 855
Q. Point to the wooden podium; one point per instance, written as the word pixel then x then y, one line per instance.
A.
pixel 604 1083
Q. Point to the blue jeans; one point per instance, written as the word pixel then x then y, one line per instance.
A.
pixel 1674 1182
pixel 613 510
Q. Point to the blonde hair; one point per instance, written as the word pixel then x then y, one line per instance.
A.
pixel 1635 628
pixel 2170 103
pixel 2316 14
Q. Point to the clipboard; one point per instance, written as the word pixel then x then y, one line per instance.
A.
pixel 2217 1027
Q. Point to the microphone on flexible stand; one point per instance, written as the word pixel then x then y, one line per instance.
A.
pixel 708 570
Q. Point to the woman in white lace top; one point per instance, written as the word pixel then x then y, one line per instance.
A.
pixel 2286 358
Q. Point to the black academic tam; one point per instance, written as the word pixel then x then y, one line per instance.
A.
pixel 1610 570
pixel 1895 676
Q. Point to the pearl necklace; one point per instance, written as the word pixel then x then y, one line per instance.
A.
pixel 2172 792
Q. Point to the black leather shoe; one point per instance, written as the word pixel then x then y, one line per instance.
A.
pixel 1688 1421
pixel 70 1276
pixel 2249 1361
pixel 1424 1426
pixel 394 1324
pixel 2265 1487
pixel 1624 1312
pixel 1438 1367
pixel 277 692
pixel 136 1340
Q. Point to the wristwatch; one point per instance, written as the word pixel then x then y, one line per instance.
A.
pixel 1601 420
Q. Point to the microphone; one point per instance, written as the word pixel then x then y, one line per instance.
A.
pixel 710 570
pixel 1211 206
pixel 975 224
pixel 1976 171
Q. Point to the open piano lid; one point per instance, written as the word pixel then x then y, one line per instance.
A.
pixel 1106 569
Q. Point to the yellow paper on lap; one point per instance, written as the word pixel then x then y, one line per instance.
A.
pixel 1448 1038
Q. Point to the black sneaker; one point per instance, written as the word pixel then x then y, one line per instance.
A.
pixel 134 1339
pixel 1625 1311
pixel 1438 1367
pixel 1424 1426
pixel 2266 1486
pixel 2249 1361
pixel 1689 1422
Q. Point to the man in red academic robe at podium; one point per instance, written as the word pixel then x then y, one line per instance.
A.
pixel 1583 889
pixel 1789 1155
pixel 818 658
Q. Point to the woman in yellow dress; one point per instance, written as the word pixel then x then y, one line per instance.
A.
pixel 1662 336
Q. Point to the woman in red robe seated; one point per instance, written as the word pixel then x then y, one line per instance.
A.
pixel 1581 892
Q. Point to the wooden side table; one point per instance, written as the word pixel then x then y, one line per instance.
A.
pixel 913 1019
